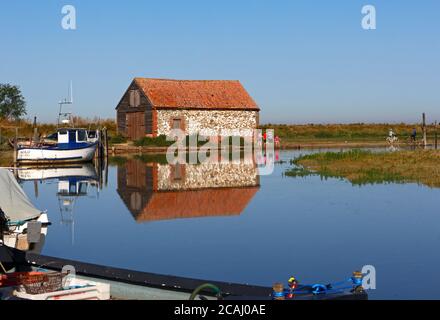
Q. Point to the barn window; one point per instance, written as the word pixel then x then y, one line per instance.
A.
pixel 135 98
pixel 177 173
pixel 177 123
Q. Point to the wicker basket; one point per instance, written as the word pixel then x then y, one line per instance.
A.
pixel 43 283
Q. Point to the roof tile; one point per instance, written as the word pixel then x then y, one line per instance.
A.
pixel 196 94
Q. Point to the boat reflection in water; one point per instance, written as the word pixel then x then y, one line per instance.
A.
pixel 73 181
pixel 155 191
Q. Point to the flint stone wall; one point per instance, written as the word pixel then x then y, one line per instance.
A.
pixel 209 175
pixel 210 122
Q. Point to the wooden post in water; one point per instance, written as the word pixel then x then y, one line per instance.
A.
pixel 424 129
pixel 100 145
pixel 435 136
pixel 98 135
pixel 15 145
pixel 35 136
pixel 105 142
pixel 36 188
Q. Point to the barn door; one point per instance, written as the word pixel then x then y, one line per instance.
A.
pixel 136 174
pixel 135 125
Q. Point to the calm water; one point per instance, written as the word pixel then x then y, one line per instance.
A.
pixel 226 223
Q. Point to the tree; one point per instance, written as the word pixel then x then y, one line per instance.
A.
pixel 12 103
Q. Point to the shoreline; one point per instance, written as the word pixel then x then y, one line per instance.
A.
pixel 129 149
pixel 121 149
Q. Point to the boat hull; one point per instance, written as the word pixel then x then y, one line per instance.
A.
pixel 32 173
pixel 56 155
pixel 129 284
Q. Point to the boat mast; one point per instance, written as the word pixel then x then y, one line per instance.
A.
pixel 66 102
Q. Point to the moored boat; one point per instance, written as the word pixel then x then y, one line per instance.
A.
pixel 39 173
pixel 72 146
pixel 22 225
pixel 136 285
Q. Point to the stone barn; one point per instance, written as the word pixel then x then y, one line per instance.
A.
pixel 153 107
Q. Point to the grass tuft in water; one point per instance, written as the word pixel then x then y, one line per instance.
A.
pixel 362 167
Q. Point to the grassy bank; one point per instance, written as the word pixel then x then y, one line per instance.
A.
pixel 6 158
pixel 365 167
pixel 26 129
pixel 356 132
pixel 307 135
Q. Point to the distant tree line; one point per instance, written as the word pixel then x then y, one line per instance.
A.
pixel 12 102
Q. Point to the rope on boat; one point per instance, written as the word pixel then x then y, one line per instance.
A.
pixel 3 268
pixel 214 288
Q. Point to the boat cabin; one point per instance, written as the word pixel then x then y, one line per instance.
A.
pixel 72 187
pixel 72 137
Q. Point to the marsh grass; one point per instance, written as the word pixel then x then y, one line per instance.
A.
pixel 345 132
pixel 365 167
pixel 26 130
pixel 6 159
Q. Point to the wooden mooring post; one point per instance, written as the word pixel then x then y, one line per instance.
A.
pixel 424 129
pixel 101 156
pixel 435 135
pixel 105 142
pixel 15 145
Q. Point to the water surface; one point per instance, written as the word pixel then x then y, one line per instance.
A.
pixel 224 222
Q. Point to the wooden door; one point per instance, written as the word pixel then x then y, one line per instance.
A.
pixel 136 174
pixel 135 125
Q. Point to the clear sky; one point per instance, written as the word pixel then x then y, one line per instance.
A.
pixel 302 61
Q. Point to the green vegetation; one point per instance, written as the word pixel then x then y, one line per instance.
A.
pixel 117 160
pixel 4 145
pixel 12 103
pixel 160 141
pixel 6 159
pixel 366 167
pixel 146 158
pixel 26 128
pixel 344 132
pixel 117 139
pixel 149 158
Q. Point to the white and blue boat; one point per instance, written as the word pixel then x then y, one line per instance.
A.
pixel 71 146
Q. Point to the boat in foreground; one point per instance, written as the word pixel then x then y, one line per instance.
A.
pixel 135 285
pixel 22 225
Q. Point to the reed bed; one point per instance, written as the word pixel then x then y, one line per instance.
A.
pixel 365 167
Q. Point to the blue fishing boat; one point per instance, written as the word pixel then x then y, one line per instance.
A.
pixel 71 145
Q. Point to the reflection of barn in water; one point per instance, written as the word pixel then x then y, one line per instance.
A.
pixel 156 191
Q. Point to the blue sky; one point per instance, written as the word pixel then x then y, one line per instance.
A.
pixel 302 61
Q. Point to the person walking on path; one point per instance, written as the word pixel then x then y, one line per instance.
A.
pixel 414 135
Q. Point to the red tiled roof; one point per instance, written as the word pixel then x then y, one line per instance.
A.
pixel 196 94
